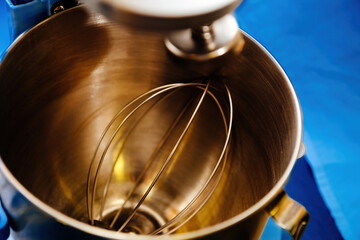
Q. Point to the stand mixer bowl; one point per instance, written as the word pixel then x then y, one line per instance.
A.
pixel 61 83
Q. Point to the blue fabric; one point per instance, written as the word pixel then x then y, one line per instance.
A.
pixel 4 225
pixel 271 231
pixel 302 188
pixel 318 45
pixel 4 28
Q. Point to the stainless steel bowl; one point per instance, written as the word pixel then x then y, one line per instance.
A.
pixel 61 83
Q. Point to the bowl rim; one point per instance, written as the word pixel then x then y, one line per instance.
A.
pixel 83 227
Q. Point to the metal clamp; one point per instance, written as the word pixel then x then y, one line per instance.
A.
pixel 289 215
pixel 206 42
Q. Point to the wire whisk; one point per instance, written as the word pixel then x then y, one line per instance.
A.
pixel 142 203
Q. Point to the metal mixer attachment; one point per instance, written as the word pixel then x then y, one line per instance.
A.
pixel 129 212
pixel 158 191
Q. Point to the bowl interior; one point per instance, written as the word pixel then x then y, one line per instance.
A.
pixel 62 83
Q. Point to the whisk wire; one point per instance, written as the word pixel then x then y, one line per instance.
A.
pixel 167 160
pixel 147 165
pixel 185 213
pixel 90 200
pixel 228 127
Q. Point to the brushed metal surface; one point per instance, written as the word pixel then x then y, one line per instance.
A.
pixel 206 42
pixel 63 81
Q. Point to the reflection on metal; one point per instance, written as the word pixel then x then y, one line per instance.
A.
pixel 206 42
pixel 167 152
pixel 289 215
pixel 302 150
pixel 54 115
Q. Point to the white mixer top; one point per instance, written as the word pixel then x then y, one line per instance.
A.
pixel 164 14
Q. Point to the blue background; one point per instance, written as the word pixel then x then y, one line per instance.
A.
pixel 318 44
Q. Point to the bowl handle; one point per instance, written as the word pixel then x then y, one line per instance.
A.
pixel 289 214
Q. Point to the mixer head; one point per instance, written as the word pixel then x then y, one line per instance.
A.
pixel 163 15
pixel 194 30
